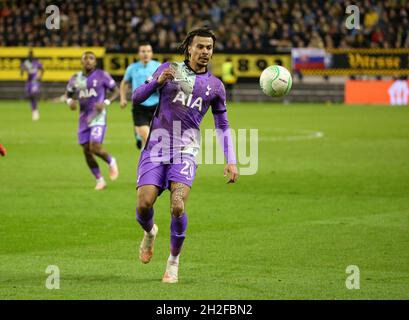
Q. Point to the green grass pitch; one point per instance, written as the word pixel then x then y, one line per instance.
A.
pixel 332 190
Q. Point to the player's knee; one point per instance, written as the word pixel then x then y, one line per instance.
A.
pixel 144 205
pixel 94 148
pixel 177 208
pixel 87 151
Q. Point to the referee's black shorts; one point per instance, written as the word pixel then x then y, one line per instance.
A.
pixel 142 115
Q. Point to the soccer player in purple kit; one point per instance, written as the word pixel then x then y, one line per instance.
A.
pixel 90 85
pixel 187 90
pixel 35 72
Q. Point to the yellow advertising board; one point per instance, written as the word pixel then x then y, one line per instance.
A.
pixel 59 63
pixel 246 65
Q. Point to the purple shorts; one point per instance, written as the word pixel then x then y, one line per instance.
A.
pixel 32 87
pixel 151 172
pixel 92 134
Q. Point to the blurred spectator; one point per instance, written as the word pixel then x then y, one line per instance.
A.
pixel 244 24
pixel 229 77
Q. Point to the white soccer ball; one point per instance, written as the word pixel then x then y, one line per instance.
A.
pixel 276 81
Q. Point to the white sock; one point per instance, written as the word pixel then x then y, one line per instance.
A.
pixel 174 259
pixel 151 233
pixel 113 162
pixel 101 179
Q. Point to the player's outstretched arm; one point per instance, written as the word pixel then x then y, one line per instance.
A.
pixel 163 74
pixel 224 135
pixel 226 142
pixel 144 91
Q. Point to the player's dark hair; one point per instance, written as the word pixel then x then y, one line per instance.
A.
pixel 201 32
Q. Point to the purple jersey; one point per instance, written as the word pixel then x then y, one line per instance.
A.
pixel 183 103
pixel 91 89
pixel 32 68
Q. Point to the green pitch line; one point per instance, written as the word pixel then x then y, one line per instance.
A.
pixel 317 205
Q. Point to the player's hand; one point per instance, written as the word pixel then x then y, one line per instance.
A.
pixel 92 116
pixel 232 172
pixel 99 106
pixel 167 74
pixel 73 104
pixel 123 103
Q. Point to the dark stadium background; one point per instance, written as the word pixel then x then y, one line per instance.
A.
pixel 254 33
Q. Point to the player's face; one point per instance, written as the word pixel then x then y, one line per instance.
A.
pixel 145 53
pixel 88 61
pixel 201 50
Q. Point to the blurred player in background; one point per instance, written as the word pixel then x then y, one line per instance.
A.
pixel 90 85
pixel 138 73
pixel 35 72
pixel 229 77
pixel 187 90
